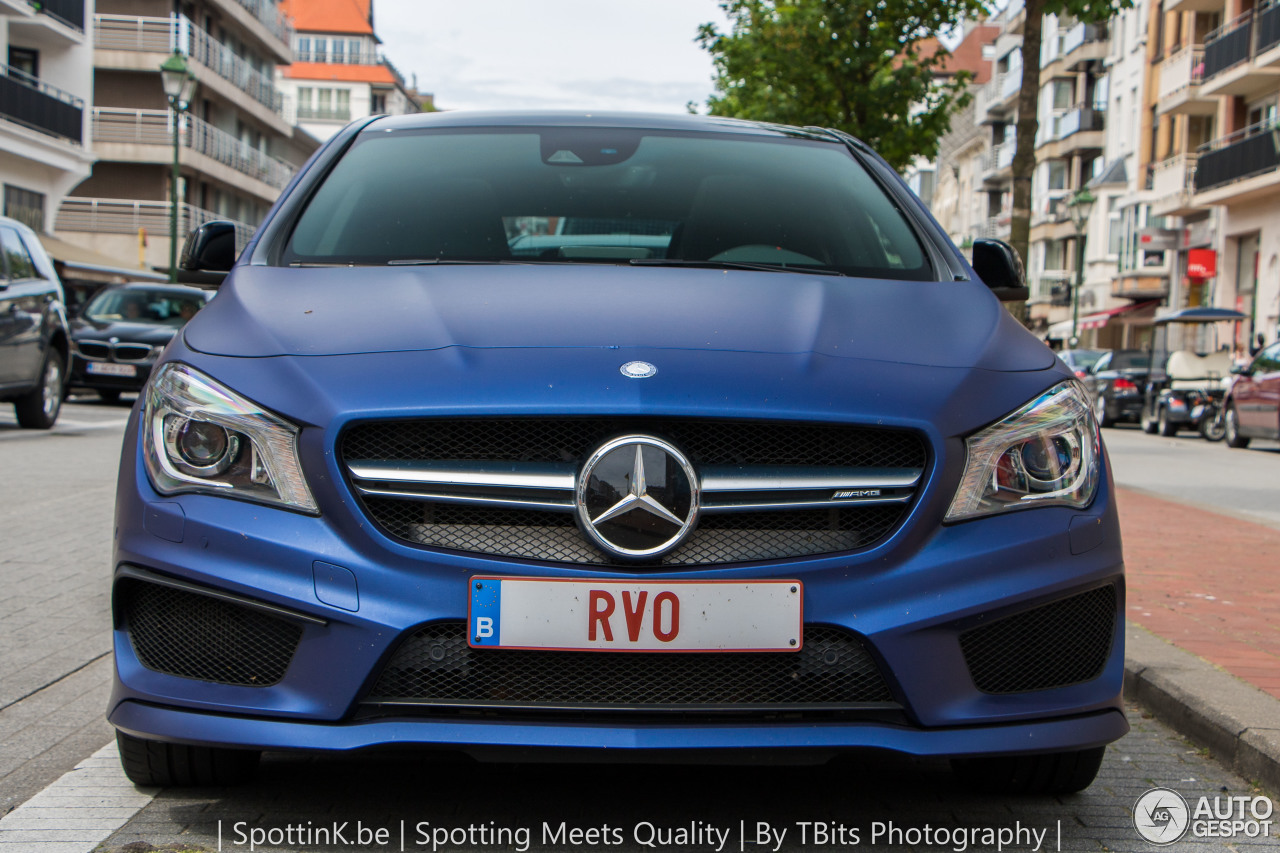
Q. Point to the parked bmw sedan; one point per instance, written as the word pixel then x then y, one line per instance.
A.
pixel 786 482
pixel 121 331
pixel 1253 401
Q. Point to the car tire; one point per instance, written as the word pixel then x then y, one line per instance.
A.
pixel 155 764
pixel 108 396
pixel 1148 424
pixel 1100 412
pixel 39 407
pixel 1164 426
pixel 1050 773
pixel 1234 438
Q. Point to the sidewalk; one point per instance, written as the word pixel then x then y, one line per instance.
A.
pixel 1210 585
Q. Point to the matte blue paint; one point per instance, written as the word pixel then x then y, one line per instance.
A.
pixel 164 520
pixel 327 347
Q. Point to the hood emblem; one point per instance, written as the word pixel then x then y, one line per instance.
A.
pixel 638 370
pixel 637 497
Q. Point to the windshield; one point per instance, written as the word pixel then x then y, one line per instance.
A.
pixel 157 307
pixel 597 195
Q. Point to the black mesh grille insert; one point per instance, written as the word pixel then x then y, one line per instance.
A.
pixel 569 440
pixel 195 636
pixel 434 665
pixel 554 537
pixel 1066 642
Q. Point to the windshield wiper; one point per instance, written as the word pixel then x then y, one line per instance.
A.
pixel 732 265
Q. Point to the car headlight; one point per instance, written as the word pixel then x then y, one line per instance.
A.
pixel 1048 453
pixel 200 436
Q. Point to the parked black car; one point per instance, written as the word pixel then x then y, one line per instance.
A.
pixel 1080 360
pixel 1115 382
pixel 119 334
pixel 33 328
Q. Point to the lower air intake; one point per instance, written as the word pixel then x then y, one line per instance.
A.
pixel 1066 642
pixel 196 636
pixel 435 666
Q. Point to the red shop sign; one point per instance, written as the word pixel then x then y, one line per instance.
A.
pixel 1202 263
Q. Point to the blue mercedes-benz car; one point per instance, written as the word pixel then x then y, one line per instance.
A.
pixel 671 436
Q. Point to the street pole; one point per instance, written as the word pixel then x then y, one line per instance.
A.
pixel 173 209
pixel 179 87
pixel 1075 291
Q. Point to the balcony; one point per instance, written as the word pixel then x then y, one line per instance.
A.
pixel 1141 284
pixel 992 228
pixel 1181 75
pixel 1173 185
pixel 1084 43
pixel 998 162
pixel 125 216
pixel 309 113
pixel 1194 5
pixel 1043 282
pixel 268 14
pixel 155 128
pixel 1239 167
pixel 161 36
pixel 27 101
pixel 1229 66
pixel 996 98
pixel 1079 128
pixel 67 12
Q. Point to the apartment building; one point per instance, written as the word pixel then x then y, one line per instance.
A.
pixel 238 146
pixel 339 73
pixel 46 80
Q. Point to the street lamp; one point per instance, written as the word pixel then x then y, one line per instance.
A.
pixel 179 87
pixel 1080 206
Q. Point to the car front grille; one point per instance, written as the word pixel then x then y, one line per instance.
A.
pixel 434 666
pixel 94 349
pixel 1055 645
pixel 470 522
pixel 183 633
pixel 132 352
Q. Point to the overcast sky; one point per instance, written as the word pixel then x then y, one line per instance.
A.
pixel 538 54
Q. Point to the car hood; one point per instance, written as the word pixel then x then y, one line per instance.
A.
pixel 141 333
pixel 273 311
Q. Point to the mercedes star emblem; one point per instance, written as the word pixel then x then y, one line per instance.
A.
pixel 637 497
pixel 638 370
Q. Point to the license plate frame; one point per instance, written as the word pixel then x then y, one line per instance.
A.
pixel 633 615
pixel 107 368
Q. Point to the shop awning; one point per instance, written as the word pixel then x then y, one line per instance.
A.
pixel 1098 319
pixel 78 258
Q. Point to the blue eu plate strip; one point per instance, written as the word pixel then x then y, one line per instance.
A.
pixel 486 608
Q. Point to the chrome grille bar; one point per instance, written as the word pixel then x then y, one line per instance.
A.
pixel 550 486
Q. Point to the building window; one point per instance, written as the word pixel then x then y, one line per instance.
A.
pixel 379 104
pixel 25 206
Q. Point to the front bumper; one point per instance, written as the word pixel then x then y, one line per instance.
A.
pixel 910 597
pixel 80 377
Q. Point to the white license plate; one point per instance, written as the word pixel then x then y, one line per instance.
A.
pixel 104 368
pixel 636 616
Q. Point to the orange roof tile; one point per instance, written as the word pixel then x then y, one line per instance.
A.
pixel 330 16
pixel 341 73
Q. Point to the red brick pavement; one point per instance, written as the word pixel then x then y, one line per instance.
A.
pixel 1206 582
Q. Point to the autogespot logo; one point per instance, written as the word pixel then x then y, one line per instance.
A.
pixel 1161 816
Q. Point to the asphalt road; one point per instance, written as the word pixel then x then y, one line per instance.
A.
pixel 56 493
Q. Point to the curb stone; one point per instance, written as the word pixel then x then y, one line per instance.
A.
pixel 1239 723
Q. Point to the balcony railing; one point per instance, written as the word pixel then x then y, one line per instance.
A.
pixel 1082 117
pixel 1229 45
pixel 1173 177
pixel 306 111
pixel 155 127
pixel 1268 27
pixel 1181 70
pixel 28 101
pixel 330 57
pixel 1011 82
pixel 992 228
pixel 268 13
pixel 1052 48
pixel 1000 156
pixel 1243 154
pixel 1082 34
pixel 164 35
pixel 125 216
pixel 69 12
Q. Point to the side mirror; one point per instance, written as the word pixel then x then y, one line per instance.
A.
pixel 209 254
pixel 1000 269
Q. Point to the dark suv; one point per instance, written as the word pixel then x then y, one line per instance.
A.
pixel 33 328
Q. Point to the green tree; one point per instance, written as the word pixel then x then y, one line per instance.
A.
pixel 1024 157
pixel 867 67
